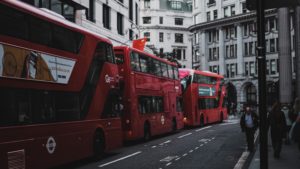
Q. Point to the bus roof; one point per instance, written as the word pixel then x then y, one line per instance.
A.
pixel 143 52
pixel 32 10
pixel 186 71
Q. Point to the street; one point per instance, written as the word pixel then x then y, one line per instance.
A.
pixel 214 146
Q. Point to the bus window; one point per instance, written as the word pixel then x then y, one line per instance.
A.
pixel 119 59
pixel 145 104
pixel 144 62
pixel 175 70
pixel 185 82
pixel 13 23
pixel 109 53
pixel 208 103
pixel 171 73
pixel 113 106
pixel 164 69
pixel 134 61
pixel 38 36
pixel 157 68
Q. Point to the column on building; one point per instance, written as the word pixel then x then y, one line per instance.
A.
pixel 221 52
pixel 285 64
pixel 297 49
pixel 204 59
pixel 240 58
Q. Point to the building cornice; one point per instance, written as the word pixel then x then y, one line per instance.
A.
pixel 165 27
pixel 229 20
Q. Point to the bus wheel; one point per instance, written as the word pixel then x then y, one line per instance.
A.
pixel 174 125
pixel 147 133
pixel 221 117
pixel 202 120
pixel 99 144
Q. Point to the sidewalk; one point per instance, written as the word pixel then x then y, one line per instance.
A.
pixel 289 158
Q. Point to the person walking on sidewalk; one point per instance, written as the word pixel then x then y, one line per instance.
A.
pixel 278 127
pixel 286 109
pixel 249 124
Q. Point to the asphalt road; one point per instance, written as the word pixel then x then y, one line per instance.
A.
pixel 215 146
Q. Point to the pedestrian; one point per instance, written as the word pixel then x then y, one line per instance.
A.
pixel 286 109
pixel 276 120
pixel 249 124
pixel 295 131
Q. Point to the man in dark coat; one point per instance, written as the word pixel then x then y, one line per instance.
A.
pixel 249 124
pixel 277 124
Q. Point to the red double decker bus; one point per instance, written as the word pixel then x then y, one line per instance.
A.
pixel 57 87
pixel 203 97
pixel 151 94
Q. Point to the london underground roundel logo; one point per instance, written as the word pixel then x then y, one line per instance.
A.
pixel 51 145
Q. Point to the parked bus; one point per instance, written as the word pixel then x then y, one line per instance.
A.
pixel 151 91
pixel 202 97
pixel 57 87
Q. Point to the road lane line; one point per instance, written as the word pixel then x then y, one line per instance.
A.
pixel 184 135
pixel 201 145
pixel 191 151
pixel 203 128
pixel 177 159
pixel 184 155
pixel 225 124
pixel 196 148
pixel 244 156
pixel 166 142
pixel 168 164
pixel 153 147
pixel 136 153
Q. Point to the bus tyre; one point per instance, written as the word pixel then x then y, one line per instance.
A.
pixel 147 134
pixel 174 125
pixel 221 117
pixel 99 144
pixel 201 121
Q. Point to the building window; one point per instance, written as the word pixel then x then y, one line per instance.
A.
pixel 177 53
pixel 272 45
pixel 121 1
pixel 246 30
pixel 136 14
pixel 272 23
pixel 147 35
pixel 131 34
pixel 246 53
pixel 178 38
pixel 176 5
pixel 251 94
pixel 226 12
pixel 232 70
pixel 211 2
pixel 147 4
pixel 92 11
pixel 267 67
pixel 215 14
pixel 244 9
pixel 178 21
pixel 246 69
pixel 106 16
pixel 130 10
pixel 120 23
pixel 147 20
pixel 273 66
pixel 161 20
pixel 208 16
pixel 252 68
pixel 228 70
pixel 227 51
pixel 197 38
pixel 232 10
pixel 251 47
pixel 161 36
pixel 231 51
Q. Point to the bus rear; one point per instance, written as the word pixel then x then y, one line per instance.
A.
pixel 57 84
pixel 150 88
pixel 200 97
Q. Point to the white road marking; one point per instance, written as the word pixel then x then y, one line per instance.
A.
pixel 166 142
pixel 168 159
pixel 177 158
pixel 242 160
pixel 191 151
pixel 184 135
pixel 168 164
pixel 201 145
pixel 203 128
pixel 196 148
pixel 225 124
pixel 153 147
pixel 136 153
pixel 213 138
pixel 184 155
pixel 244 156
